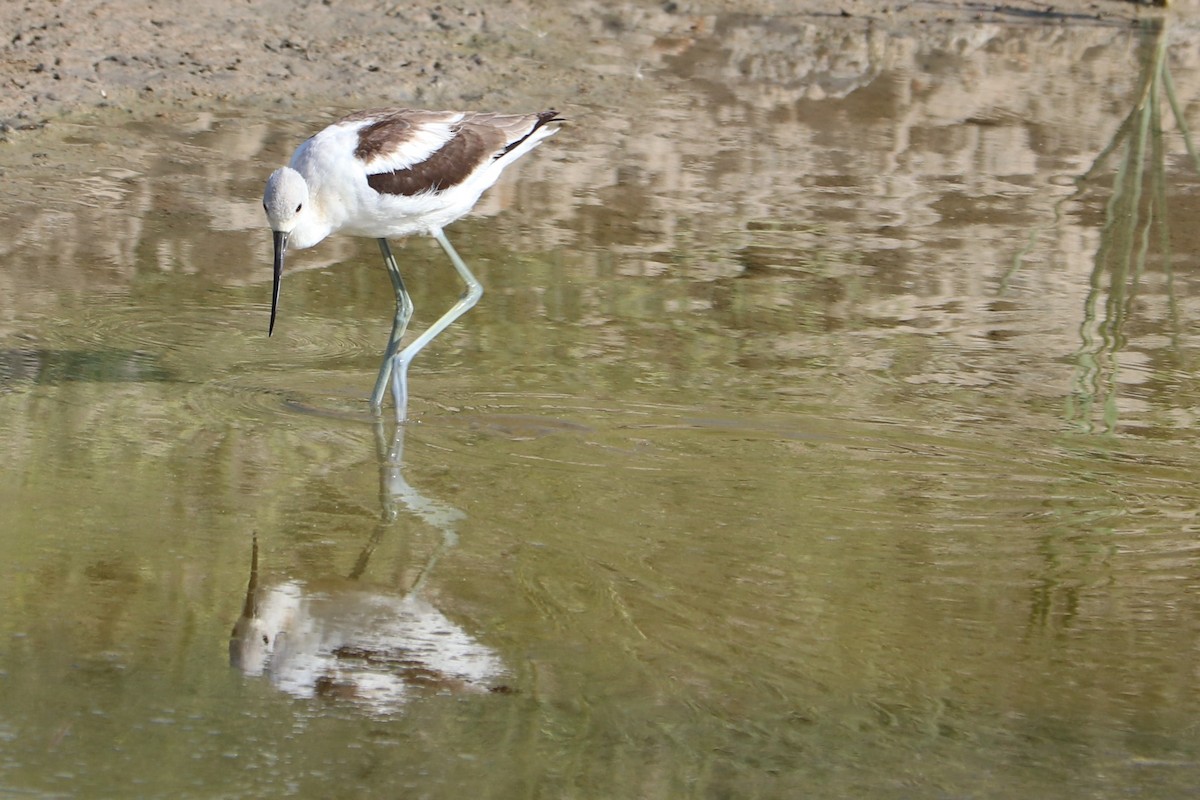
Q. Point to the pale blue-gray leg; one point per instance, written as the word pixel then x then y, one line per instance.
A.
pixel 469 298
pixel 404 309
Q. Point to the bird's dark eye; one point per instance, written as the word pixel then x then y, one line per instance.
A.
pixel 298 207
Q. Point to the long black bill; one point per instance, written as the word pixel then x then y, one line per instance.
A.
pixel 281 238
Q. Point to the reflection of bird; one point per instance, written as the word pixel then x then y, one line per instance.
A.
pixel 373 648
pixel 339 640
pixel 395 172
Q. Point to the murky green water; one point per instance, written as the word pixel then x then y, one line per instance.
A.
pixel 826 430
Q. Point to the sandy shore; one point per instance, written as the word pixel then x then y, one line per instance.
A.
pixel 68 58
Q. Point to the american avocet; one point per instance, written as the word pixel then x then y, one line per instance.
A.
pixel 394 172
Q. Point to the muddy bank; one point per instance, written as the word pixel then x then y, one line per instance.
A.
pixel 69 58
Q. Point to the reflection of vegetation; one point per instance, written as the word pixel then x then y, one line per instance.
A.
pixel 1135 225
pixel 1134 217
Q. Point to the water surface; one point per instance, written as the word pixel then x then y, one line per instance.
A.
pixel 825 430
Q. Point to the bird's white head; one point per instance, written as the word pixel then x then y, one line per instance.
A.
pixel 284 201
pixel 285 198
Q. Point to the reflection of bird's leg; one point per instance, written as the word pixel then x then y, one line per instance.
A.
pixel 404 309
pixel 391 477
pixel 395 490
pixel 469 298
pixel 364 556
pixel 448 541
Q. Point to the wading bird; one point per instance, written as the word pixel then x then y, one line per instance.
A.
pixel 395 172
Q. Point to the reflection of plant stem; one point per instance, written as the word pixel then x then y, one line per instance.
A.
pixel 1168 267
pixel 1132 216
pixel 1169 86
pixel 1146 82
pixel 1133 213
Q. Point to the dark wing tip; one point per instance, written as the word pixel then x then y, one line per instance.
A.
pixel 543 117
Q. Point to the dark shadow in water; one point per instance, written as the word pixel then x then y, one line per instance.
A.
pixel 371 648
pixel 52 367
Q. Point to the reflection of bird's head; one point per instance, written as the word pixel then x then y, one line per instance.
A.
pixel 250 642
pixel 249 646
pixel 260 635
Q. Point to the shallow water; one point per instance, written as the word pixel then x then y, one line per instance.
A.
pixel 826 429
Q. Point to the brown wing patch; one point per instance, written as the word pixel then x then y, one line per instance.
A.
pixel 471 146
pixel 390 128
pixel 382 136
